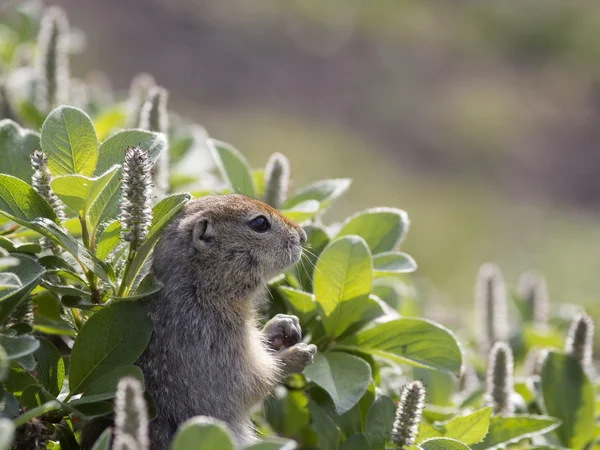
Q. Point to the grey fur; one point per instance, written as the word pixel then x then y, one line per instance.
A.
pixel 206 355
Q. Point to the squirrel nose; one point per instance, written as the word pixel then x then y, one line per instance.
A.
pixel 302 235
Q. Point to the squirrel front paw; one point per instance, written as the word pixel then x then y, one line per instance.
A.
pixel 296 358
pixel 283 332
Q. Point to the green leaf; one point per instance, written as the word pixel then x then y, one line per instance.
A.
pixel 381 228
pixel 342 283
pixel 108 240
pixel 103 442
pixel 345 378
pixel 506 430
pixel 442 444
pixel 50 367
pixel 4 364
pixel 52 405
pixel 109 120
pixel 203 433
pixel 35 395
pixel 392 263
pixel 380 421
pixel 21 203
pixel 317 240
pixel 162 213
pixel 106 341
pixel 302 211
pixel 356 441
pixel 329 435
pixel 25 276
pixel 78 192
pixel 233 167
pixel 569 395
pixel 417 342
pixel 18 346
pixel 69 140
pixel 112 150
pixel 324 192
pixel 107 384
pixel 469 429
pixel 302 303
pixel 148 286
pixel 273 444
pixel 16 145
pixel 50 230
pixel 7 431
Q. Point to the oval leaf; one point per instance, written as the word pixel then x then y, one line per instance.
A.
pixel 108 240
pixel 569 395
pixel 28 273
pixel 21 203
pixel 107 341
pixel 392 263
pixel 505 430
pixel 16 145
pixel 302 303
pixel 342 283
pixel 345 377
pixel 69 140
pixel 380 421
pixel 50 367
pixel 324 192
pixel 469 429
pixel 233 167
pixel 417 342
pixel 381 228
pixel 203 433
pixel 18 346
pixel 302 211
pixel 112 150
pixel 103 442
pixel 443 444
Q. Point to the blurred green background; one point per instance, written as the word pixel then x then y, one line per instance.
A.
pixel 478 118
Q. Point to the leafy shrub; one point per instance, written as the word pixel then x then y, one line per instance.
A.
pixel 77 230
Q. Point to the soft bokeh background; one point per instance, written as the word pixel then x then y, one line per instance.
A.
pixel 481 119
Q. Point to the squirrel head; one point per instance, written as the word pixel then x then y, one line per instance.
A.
pixel 229 240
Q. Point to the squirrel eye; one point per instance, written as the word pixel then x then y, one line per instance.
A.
pixel 260 224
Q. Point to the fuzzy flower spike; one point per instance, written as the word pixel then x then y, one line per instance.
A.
pixel 277 175
pixel 52 64
pixel 136 212
pixel 40 180
pixel 500 379
pixel 408 415
pixel 580 340
pixel 131 416
pixel 490 307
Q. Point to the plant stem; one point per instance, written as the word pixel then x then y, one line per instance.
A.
pixel 77 318
pixel 91 276
pixel 124 289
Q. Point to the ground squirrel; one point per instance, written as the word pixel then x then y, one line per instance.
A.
pixel 206 355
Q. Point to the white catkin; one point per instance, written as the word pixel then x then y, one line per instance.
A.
pixel 408 415
pixel 500 386
pixel 52 61
pixel 131 415
pixel 276 180
pixel 136 211
pixel 490 307
pixel 580 340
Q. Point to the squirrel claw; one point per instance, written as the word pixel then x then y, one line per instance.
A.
pixel 283 331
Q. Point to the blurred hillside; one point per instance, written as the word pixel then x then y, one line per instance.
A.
pixel 478 118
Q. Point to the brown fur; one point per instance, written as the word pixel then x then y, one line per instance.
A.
pixel 206 355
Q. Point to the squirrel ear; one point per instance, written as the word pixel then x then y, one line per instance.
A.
pixel 203 232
